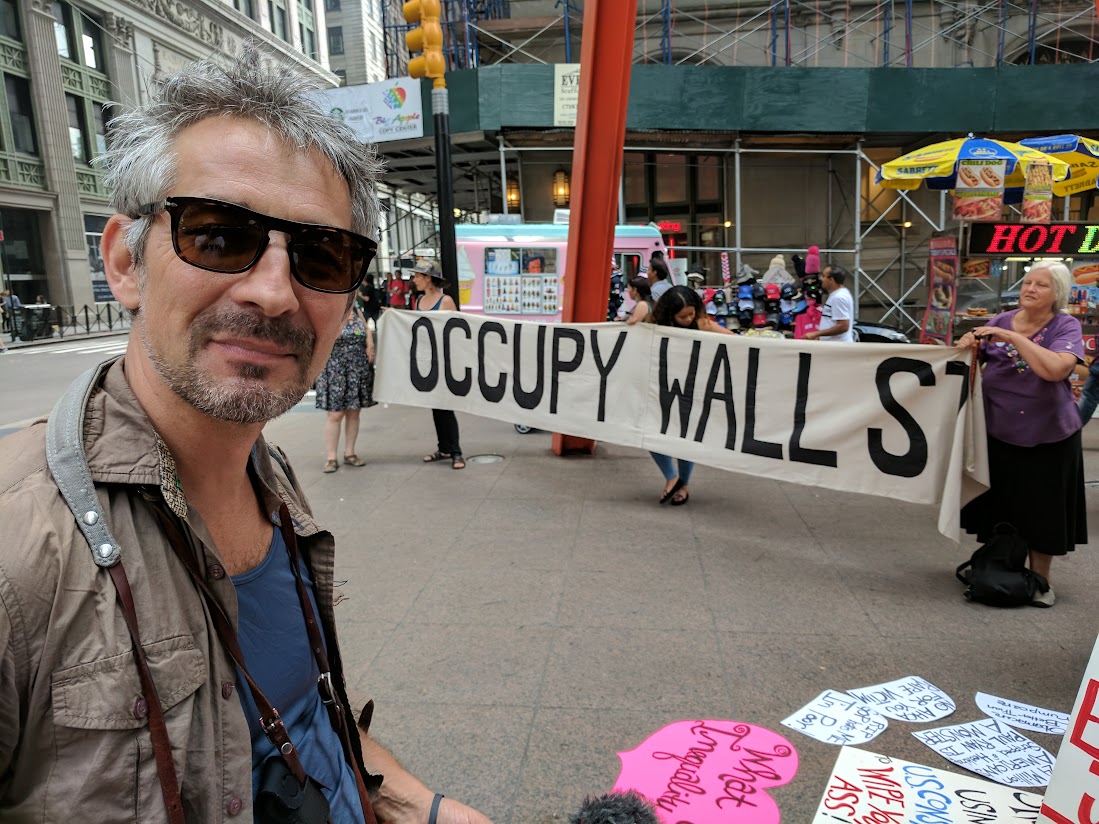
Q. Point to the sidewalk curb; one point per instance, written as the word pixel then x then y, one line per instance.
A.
pixel 13 345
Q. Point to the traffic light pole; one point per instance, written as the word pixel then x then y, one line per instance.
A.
pixel 444 177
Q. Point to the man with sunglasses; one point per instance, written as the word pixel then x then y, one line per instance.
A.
pixel 136 690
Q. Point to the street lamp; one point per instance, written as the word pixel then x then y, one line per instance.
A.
pixel 560 188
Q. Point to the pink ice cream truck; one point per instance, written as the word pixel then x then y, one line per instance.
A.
pixel 518 270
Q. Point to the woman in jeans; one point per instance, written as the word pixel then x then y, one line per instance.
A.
pixel 683 308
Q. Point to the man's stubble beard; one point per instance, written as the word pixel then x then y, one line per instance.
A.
pixel 244 398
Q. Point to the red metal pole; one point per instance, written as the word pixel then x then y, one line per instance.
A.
pixel 606 56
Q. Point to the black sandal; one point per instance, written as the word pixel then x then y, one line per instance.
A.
pixel 457 461
pixel 437 456
pixel 667 496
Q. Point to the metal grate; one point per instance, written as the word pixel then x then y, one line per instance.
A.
pixel 484 459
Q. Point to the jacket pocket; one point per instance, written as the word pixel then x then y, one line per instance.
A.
pixel 105 762
pixel 102 695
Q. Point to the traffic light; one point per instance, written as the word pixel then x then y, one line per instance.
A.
pixel 428 38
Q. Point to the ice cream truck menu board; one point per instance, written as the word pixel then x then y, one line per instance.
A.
pixel 521 281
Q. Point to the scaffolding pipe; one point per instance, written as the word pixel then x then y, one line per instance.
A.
pixel 774 37
pixel 887 31
pixel 666 32
pixel 858 229
pixel 908 34
pixel 787 27
pixel 1032 31
pixel 504 174
pixel 736 192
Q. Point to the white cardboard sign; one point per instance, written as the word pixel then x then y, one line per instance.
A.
pixel 1023 716
pixel 912 699
pixel 837 718
pixel 1073 794
pixel 867 788
pixel 993 750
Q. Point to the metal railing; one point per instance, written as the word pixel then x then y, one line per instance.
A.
pixel 33 322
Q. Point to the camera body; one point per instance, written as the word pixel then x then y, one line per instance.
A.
pixel 282 800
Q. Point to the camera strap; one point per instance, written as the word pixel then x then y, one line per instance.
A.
pixel 270 720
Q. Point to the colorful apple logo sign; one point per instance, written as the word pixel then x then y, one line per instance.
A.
pixel 710 772
pixel 394 98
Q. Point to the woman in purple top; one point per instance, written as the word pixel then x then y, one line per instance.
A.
pixel 1035 460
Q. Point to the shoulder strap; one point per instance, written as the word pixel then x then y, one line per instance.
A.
pixel 69 467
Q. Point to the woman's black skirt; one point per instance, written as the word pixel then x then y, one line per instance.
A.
pixel 1039 489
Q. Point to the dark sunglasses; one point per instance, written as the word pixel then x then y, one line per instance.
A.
pixel 223 237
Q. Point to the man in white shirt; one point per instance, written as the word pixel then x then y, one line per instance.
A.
pixel 837 322
pixel 660 280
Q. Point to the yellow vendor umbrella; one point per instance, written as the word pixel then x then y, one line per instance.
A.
pixel 1080 153
pixel 937 164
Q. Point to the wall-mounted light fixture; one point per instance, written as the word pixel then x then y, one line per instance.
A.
pixel 561 188
pixel 513 193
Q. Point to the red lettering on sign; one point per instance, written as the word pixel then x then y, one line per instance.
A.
pixel 1025 244
pixel 1004 238
pixel 1058 234
pixel 670 226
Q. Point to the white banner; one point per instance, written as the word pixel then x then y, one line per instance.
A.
pixel 377 112
pixel 566 93
pixel 880 419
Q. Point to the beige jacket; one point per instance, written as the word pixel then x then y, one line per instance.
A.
pixel 74 739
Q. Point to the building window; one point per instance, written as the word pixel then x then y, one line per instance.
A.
pixel 92 41
pixel 671 178
pixel 709 178
pixel 21 113
pixel 63 30
pixel 100 122
pixel 78 133
pixel 633 178
pixel 335 39
pixel 331 5
pixel 278 18
pixel 308 41
pixel 245 7
pixel 9 20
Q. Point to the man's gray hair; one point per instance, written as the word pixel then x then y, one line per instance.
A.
pixel 1061 278
pixel 140 164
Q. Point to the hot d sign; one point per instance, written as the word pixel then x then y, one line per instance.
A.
pixel 1034 240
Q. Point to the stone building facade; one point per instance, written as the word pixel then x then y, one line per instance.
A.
pixel 65 66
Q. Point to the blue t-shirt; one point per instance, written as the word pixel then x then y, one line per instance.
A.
pixel 275 644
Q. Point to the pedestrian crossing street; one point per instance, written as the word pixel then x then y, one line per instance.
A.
pixel 106 348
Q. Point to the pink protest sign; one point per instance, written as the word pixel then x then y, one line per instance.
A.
pixel 710 772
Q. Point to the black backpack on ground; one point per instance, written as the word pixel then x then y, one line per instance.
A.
pixel 997 575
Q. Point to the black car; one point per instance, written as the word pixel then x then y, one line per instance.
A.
pixel 873 332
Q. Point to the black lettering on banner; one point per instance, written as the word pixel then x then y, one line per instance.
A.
pixel 959 368
pixel 765 449
pixel 529 400
pixel 492 394
pixel 424 383
pixel 799 453
pixel 605 369
pixel 577 337
pixel 684 395
pixel 723 369
pixel 457 387
pixel 914 461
